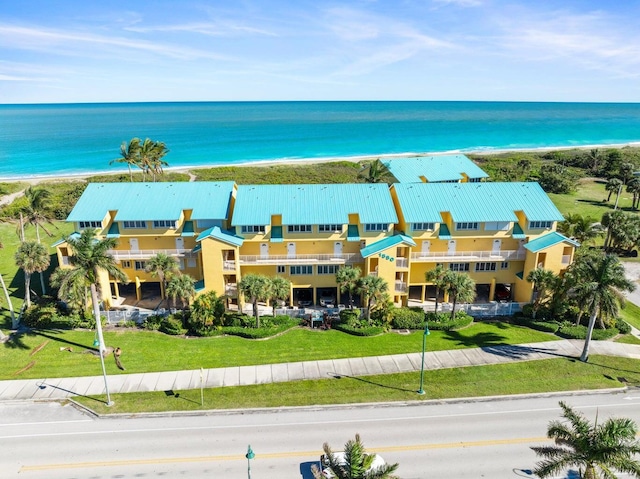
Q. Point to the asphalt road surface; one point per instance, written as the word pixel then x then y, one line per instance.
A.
pixel 472 439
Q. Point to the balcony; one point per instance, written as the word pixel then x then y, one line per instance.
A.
pixel 402 263
pixel 231 289
pixel 400 287
pixel 119 254
pixel 228 265
pixel 343 258
pixel 566 258
pixel 462 256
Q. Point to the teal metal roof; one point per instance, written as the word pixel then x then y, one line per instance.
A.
pixel 114 231
pixel 385 243
pixel 352 233
pixel 197 248
pixel 187 229
pixel 550 239
pixel 74 235
pixel 154 201
pixel 423 202
pixel 313 204
pixel 444 232
pixel 224 236
pixel 433 168
pixel 520 275
pixel 517 232
pixel 199 285
pixel 276 234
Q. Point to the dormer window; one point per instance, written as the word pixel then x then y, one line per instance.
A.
pixel 539 225
pixel 165 224
pixel 368 227
pixel 423 226
pixel 134 224
pixel 299 228
pixel 467 225
pixel 253 229
pixel 330 228
pixel 89 224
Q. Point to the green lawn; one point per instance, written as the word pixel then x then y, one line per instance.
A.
pixel 39 354
pixel 589 200
pixel 560 374
pixel 631 314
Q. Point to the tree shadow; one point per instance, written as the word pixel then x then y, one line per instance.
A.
pixel 50 335
pixel 516 351
pixel 15 340
pixel 477 340
pixel 367 381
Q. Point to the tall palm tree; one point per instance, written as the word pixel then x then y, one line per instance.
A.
pixel 633 187
pixel 544 282
pixel 353 463
pixel 151 157
pixel 89 257
pixel 376 172
pixel 595 449
pixel 162 266
pixel 279 289
pixel 9 303
pixel 613 186
pixel 129 154
pixel 31 257
pixel 372 288
pixel 347 280
pixel 583 228
pixel 436 276
pixel 599 289
pixel 255 287
pixel 182 287
pixel 460 287
pixel 207 310
pixel 594 157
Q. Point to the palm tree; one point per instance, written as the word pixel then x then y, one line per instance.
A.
pixel 151 154
pixel 599 286
pixel 347 280
pixel 207 310
pixel 255 287
pixel 89 257
pixel 376 172
pixel 129 154
pixel 279 289
pixel 633 187
pixel 595 449
pixel 460 287
pixel 583 228
pixel 31 257
pixel 163 266
pixel 436 276
pixel 372 288
pixel 353 463
pixel 613 185
pixel 594 157
pixel 9 303
pixel 182 287
pixel 35 211
pixel 544 283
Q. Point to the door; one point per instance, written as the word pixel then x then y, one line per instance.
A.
pixel 451 248
pixel 179 243
pixel 133 244
pixel 291 250
pixel 426 247
pixel 264 250
pixel 497 244
pixel 337 249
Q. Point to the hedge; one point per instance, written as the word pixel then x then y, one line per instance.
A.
pixel 443 321
pixel 359 331
pixel 408 318
pixel 571 331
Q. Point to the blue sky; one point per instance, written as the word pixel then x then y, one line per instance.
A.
pixel 190 50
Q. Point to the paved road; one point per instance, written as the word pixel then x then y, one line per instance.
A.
pixel 633 273
pixel 487 438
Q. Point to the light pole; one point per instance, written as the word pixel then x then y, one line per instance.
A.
pixel 249 455
pixel 424 347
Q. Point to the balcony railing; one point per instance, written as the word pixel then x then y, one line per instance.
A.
pixel 566 258
pixel 119 254
pixel 401 287
pixel 341 258
pixel 461 256
pixel 231 289
pixel 402 263
pixel 229 265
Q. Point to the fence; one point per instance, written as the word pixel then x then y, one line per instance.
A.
pixel 480 309
pixel 135 315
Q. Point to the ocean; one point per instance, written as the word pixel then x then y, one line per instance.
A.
pixel 67 139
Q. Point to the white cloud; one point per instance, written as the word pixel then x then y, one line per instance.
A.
pixel 460 3
pixel 217 29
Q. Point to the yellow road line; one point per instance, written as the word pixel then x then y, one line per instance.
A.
pixel 274 455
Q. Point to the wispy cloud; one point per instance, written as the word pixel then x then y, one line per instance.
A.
pixel 460 3
pixel 216 29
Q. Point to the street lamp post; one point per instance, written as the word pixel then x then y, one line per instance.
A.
pixel 424 347
pixel 249 455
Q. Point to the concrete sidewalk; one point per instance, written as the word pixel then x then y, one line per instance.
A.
pixel 60 388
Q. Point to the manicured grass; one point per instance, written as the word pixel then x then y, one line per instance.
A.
pixel 631 314
pixel 589 200
pixel 628 339
pixel 549 375
pixel 146 351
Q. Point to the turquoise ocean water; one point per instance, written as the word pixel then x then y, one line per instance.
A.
pixel 37 140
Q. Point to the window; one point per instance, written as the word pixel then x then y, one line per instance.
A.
pixel 253 229
pixel 299 228
pixel 191 262
pixel 135 224
pixel 140 265
pixel 423 226
pixel 164 224
pixel 497 226
pixel 535 225
pixel 125 264
pixel 465 225
pixel 301 269
pixel 181 263
pixel 485 267
pixel 90 224
pixel 459 266
pixel 328 268
pixel 504 265
pixel 281 269
pixel 330 228
pixel 376 227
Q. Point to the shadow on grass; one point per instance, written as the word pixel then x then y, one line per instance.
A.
pixel 477 340
pixel 515 351
pixel 15 340
pixel 385 386
pixel 45 385
pixel 624 380
pixel 50 335
pixel 170 393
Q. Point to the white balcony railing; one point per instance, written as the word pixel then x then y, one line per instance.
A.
pixel 401 287
pixel 119 254
pixel 341 258
pixel 461 256
pixel 229 265
pixel 566 258
pixel 402 263
pixel 231 289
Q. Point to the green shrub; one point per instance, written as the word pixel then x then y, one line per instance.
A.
pixel 443 321
pixel 152 323
pixel 283 323
pixel 40 317
pixel 359 330
pixel 350 317
pixel 408 318
pixel 623 326
pixel 239 320
pixel 544 326
pixel 571 331
pixel 171 325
